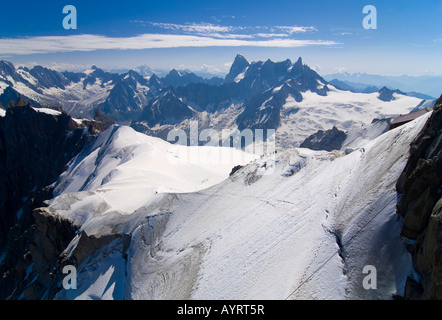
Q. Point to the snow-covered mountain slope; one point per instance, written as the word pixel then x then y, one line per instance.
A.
pixel 126 168
pixel 358 137
pixel 76 99
pixel 305 231
pixel 77 93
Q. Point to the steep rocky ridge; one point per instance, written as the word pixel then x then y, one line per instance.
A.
pixel 35 146
pixel 325 140
pixel 420 189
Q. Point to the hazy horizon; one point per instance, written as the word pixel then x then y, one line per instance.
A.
pixel 197 71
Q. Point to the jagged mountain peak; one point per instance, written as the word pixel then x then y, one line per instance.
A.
pixel 286 62
pixel 41 68
pixel 178 78
pixel 174 72
pixel 145 70
pixel 260 76
pixel 98 71
pixel 134 76
pixel 155 81
pixel 133 73
pixel 8 69
pixel 49 78
pixel 297 67
pixel 167 109
pixel 6 64
pixel 240 64
pixel 240 59
pixel 23 68
pixel 386 94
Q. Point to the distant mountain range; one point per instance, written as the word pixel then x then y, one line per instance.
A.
pixel 424 87
pixel 285 96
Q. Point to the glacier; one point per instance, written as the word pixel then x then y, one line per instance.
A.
pixel 186 230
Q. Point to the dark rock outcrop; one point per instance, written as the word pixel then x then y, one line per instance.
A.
pixel 420 190
pixel 35 148
pixel 325 140
pixel 387 95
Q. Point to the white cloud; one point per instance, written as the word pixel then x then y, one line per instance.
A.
pixel 272 35
pixel 58 66
pixel 317 68
pixel 194 27
pixel 200 29
pixel 206 68
pixel 62 66
pixel 88 42
pixel 209 29
pixel 228 35
pixel 340 70
pixel 296 29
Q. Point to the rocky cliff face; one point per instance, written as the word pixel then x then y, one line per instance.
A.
pixel 168 109
pixel 10 94
pixel 420 190
pixel 34 150
pixel 325 140
pixel 386 94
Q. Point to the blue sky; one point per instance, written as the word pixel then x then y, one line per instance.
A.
pixel 206 35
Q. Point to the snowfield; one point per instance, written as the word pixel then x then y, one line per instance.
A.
pixel 74 98
pixel 344 109
pixel 125 168
pixel 306 231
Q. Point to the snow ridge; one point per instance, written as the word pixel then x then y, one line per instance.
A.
pixel 304 232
